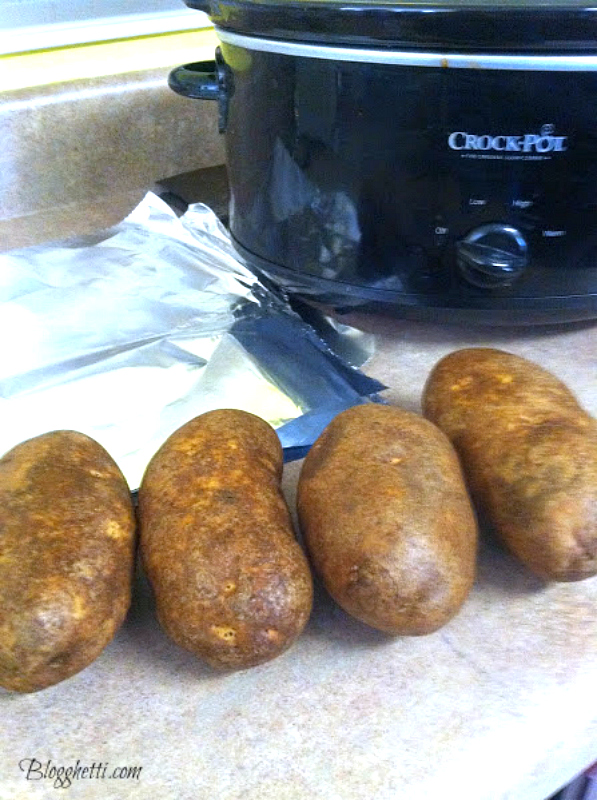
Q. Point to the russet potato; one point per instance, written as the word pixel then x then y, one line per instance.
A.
pixel 387 520
pixel 530 456
pixel 231 583
pixel 67 549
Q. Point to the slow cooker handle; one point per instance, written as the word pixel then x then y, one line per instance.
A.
pixel 205 80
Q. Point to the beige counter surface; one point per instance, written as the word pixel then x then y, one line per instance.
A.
pixel 498 705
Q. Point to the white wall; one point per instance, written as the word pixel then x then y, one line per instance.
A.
pixel 39 24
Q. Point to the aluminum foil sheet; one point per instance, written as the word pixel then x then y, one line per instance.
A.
pixel 129 334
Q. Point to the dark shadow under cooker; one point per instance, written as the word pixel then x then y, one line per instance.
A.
pixel 417 158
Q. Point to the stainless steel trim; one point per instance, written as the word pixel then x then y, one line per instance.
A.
pixel 413 58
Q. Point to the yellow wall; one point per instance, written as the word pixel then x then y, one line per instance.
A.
pixel 44 67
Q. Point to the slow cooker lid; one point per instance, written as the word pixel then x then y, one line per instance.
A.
pixel 534 26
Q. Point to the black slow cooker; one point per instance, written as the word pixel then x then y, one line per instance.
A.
pixel 436 158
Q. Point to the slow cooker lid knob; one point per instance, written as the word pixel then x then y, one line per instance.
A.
pixel 492 255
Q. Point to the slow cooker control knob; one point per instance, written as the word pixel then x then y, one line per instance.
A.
pixel 492 255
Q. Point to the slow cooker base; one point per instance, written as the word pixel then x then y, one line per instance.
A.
pixel 452 306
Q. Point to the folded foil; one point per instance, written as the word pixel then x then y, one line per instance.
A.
pixel 128 334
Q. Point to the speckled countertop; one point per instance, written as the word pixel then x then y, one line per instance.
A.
pixel 499 704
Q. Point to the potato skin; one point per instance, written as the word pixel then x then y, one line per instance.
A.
pixel 67 547
pixel 231 582
pixel 530 455
pixel 387 519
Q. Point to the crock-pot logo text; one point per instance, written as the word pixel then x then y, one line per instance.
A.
pixel 524 143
